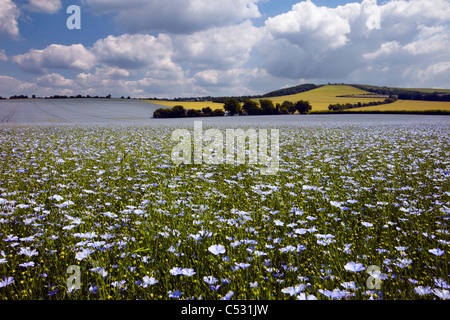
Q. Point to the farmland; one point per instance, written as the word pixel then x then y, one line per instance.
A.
pixel 323 96
pixel 355 199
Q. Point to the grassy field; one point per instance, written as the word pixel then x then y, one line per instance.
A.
pixel 188 105
pixel 409 105
pixel 350 208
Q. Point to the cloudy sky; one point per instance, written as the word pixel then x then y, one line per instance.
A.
pixel 186 48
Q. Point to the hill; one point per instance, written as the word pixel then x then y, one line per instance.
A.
pixel 323 96
pixel 291 90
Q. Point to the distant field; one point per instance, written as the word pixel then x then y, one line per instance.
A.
pixel 409 105
pixel 322 97
pixel 188 105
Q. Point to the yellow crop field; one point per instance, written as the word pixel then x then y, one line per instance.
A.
pixel 322 97
pixel 188 104
pixel 408 105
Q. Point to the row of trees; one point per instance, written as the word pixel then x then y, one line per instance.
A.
pixel 61 97
pixel 234 107
pixel 346 106
pixel 424 97
pixel 265 107
pixel 181 112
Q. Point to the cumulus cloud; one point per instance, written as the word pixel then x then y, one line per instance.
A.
pixel 308 25
pixel 176 16
pixel 200 47
pixel 75 57
pixel 134 51
pixel 46 6
pixel 102 75
pixel 218 48
pixel 9 13
pixel 3 56
pixel 366 42
pixel 54 80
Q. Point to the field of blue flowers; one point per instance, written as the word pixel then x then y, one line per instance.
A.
pixel 353 213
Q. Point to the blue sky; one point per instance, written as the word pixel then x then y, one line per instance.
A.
pixel 172 48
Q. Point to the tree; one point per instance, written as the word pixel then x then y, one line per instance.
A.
pixel 303 107
pixel 267 106
pixel 233 106
pixel 193 113
pixel 179 111
pixel 251 107
pixel 218 113
pixel 163 113
pixel 290 106
pixel 207 111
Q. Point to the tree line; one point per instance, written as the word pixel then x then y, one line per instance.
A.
pixel 180 112
pixel 405 94
pixel 234 107
pixel 56 96
pixel 346 106
pixel 424 97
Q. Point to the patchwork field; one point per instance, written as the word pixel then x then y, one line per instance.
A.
pixel 322 97
pixel 357 211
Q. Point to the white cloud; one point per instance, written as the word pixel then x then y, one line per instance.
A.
pixel 11 86
pixel 435 70
pixel 307 25
pixel 54 80
pixel 214 48
pixel 386 49
pixel 430 40
pixel 103 75
pixel 359 42
pixel 134 51
pixel 9 13
pixel 218 48
pixel 75 57
pixel 176 16
pixel 3 56
pixel 46 6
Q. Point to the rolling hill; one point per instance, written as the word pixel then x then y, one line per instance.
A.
pixel 322 96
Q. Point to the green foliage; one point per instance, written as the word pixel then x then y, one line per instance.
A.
pixel 233 106
pixel 175 112
pixel 207 111
pixel 267 106
pixel 292 90
pixel 218 113
pixel 192 113
pixel 303 107
pixel 290 106
pixel 251 108
pixel 340 107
